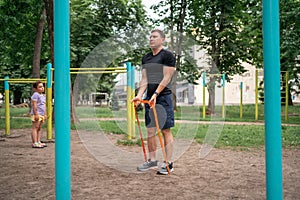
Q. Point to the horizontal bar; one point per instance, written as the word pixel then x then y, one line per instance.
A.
pixel 23 79
pixel 99 72
pixel 99 69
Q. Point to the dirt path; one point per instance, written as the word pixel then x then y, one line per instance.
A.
pixel 28 173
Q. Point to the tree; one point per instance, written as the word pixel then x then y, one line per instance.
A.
pixel 289 40
pixel 289 43
pixel 174 14
pixel 92 23
pixel 19 20
pixel 38 46
pixel 218 27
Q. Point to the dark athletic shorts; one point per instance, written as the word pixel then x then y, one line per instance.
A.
pixel 165 112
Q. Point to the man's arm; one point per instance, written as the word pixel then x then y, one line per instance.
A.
pixel 142 88
pixel 168 73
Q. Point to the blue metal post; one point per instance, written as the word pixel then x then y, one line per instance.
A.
pixel 271 49
pixel 7 109
pixel 130 95
pixel 223 96
pixel 62 98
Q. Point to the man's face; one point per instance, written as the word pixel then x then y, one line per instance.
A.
pixel 156 40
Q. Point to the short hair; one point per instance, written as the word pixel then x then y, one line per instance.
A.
pixel 35 84
pixel 161 33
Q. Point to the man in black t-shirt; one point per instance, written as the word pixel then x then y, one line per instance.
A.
pixel 157 70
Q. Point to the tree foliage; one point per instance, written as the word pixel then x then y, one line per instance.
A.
pixel 95 26
pixel 231 33
pixel 92 22
pixel 19 21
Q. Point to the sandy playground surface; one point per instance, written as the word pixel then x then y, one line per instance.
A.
pixel 28 173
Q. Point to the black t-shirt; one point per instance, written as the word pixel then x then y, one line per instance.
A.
pixel 154 69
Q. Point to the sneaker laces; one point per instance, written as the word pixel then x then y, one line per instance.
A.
pixel 147 162
pixel 163 165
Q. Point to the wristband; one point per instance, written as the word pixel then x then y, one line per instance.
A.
pixel 156 93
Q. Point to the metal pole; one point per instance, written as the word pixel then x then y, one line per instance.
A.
pixel 203 91
pixel 286 95
pixel 132 105
pixel 62 98
pixel 7 109
pixel 129 104
pixel 256 95
pixel 223 96
pixel 271 50
pixel 241 100
pixel 49 101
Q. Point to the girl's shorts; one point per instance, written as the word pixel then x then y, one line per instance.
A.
pixel 165 112
pixel 41 118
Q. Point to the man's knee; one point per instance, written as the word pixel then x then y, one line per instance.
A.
pixel 151 131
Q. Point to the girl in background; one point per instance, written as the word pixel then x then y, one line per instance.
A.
pixel 38 114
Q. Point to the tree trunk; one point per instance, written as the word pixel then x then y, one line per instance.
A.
pixel 74 93
pixel 174 79
pixel 179 36
pixel 38 46
pixel 211 96
pixel 17 97
pixel 49 11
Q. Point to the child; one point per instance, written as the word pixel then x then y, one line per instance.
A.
pixel 38 114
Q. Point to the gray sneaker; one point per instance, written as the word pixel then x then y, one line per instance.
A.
pixel 148 165
pixel 163 170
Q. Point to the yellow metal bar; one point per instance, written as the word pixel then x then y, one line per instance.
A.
pixel 129 128
pixel 49 113
pixel 241 100
pixel 256 95
pixel 20 82
pixel 223 102
pixel 7 113
pixel 208 74
pixel 23 79
pixel 49 101
pixel 223 96
pixel 99 72
pixel 204 109
pixel 99 69
pixel 132 116
pixel 286 95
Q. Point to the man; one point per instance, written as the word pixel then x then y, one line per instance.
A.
pixel 157 70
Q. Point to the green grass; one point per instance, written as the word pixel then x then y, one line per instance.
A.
pixel 235 136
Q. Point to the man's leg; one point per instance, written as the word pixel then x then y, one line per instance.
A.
pixel 151 142
pixel 168 142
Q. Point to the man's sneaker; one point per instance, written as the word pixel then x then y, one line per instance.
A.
pixel 148 165
pixel 163 170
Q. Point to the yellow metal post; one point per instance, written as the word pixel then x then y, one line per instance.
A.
pixel 241 100
pixel 7 111
pixel 130 95
pixel 204 84
pixel 49 113
pixel 256 95
pixel 223 96
pixel 204 109
pixel 286 95
pixel 49 101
